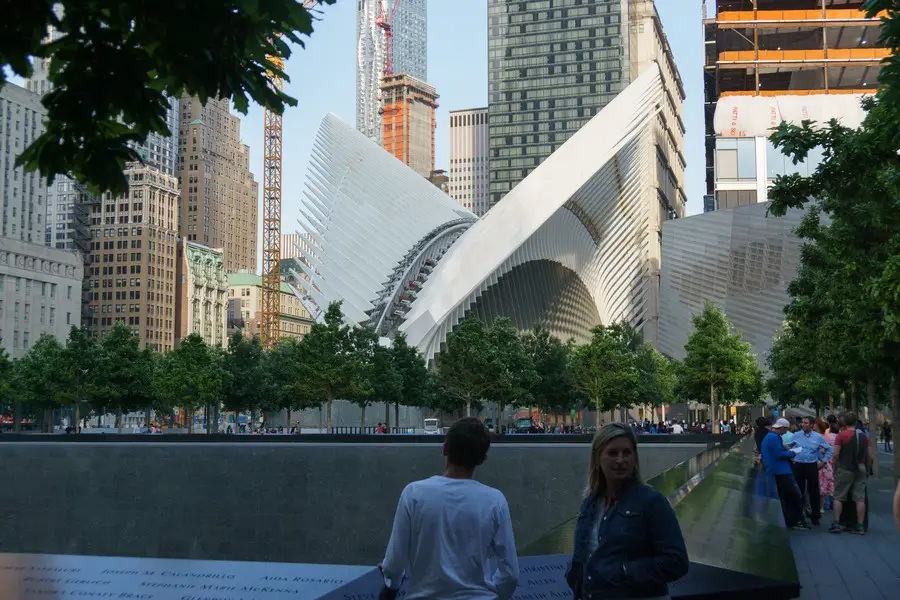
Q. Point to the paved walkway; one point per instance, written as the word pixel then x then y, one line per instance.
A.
pixel 849 566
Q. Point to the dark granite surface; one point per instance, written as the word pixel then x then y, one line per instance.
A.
pixel 310 503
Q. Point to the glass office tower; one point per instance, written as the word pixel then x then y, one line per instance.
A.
pixel 552 65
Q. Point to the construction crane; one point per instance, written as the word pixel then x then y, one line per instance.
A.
pixel 271 277
pixel 385 20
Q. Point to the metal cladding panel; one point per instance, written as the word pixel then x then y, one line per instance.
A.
pixel 737 258
pixel 587 206
pixel 363 210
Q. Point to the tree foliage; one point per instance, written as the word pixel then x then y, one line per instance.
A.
pixel 151 52
pixel 604 371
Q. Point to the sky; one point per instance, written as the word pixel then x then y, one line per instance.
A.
pixel 323 80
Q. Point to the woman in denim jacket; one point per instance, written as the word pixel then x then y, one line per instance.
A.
pixel 628 543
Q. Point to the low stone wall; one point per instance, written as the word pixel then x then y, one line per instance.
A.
pixel 316 503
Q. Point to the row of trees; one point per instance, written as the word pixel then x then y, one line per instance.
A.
pixel 841 341
pixel 479 364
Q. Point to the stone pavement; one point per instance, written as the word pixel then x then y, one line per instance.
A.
pixel 849 566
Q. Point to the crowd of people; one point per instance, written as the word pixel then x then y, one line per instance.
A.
pixel 816 466
pixel 678 427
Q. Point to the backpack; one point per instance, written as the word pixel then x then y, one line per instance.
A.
pixel 853 453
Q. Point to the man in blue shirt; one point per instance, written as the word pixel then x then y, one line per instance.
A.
pixel 814 454
pixel 777 462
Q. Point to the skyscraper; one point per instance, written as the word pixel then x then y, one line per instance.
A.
pixel 68 202
pixel 767 62
pixel 220 198
pixel 469 158
pixel 551 69
pixel 131 261
pixel 410 54
pixel 21 122
pixel 409 123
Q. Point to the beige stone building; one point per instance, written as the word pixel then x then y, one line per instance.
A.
pixel 220 198
pixel 245 308
pixel 131 265
pixel 201 303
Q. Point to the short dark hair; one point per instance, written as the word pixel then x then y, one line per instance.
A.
pixel 849 418
pixel 467 442
pixel 831 419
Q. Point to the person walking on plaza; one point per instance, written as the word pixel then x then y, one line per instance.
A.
pixel 814 454
pixel 852 456
pixel 886 434
pixel 628 543
pixel 449 530
pixel 777 462
pixel 826 474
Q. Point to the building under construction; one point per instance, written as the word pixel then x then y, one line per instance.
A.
pixel 395 27
pixel 409 124
pixel 773 60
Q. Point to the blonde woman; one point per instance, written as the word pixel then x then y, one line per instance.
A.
pixel 628 543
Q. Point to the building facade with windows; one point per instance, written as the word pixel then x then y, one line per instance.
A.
pixel 201 301
pixel 245 308
pixel 24 194
pixel 553 66
pixel 40 292
pixel 767 61
pixel 410 55
pixel 220 198
pixel 469 158
pixel 131 264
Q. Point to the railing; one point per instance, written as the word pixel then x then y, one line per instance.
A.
pixel 770 93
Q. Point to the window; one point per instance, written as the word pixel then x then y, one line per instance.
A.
pixel 18 284
pixel 69 293
pixel 52 315
pixel 68 318
pixel 27 311
pixel 43 313
pixel 44 290
pixel 16 338
pixel 25 340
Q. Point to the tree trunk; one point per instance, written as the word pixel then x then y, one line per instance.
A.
pixel 362 420
pixel 714 422
pixel 17 416
pixel 119 418
pixel 895 410
pixel 831 402
pixel 853 396
pixel 396 415
pixel 147 412
pixel 289 419
pixel 597 424
pixel 870 392
pixel 387 414
pixel 77 423
pixel 328 413
pixel 47 425
pixel 468 408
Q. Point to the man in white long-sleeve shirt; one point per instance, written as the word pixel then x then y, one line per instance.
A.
pixel 452 536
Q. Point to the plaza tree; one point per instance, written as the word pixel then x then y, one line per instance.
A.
pixel 191 377
pixel 464 366
pixel 511 365
pixel 657 378
pixel 151 54
pixel 553 390
pixel 124 372
pixel 604 371
pixel 42 379
pixel 82 356
pixel 9 400
pixel 416 384
pixel 250 386
pixel 715 360
pixel 326 360
pixel 847 283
